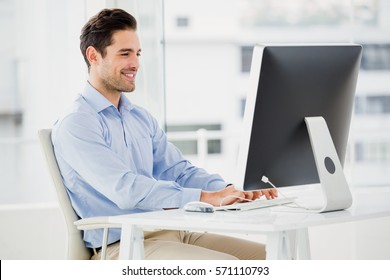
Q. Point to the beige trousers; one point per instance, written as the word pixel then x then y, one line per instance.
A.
pixel 184 245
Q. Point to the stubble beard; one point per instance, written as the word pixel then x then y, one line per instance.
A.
pixel 112 85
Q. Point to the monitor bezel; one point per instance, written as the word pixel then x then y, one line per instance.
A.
pixel 254 81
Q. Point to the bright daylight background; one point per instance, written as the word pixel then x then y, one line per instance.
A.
pixel 194 76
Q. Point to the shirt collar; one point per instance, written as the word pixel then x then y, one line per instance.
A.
pixel 124 103
pixel 99 103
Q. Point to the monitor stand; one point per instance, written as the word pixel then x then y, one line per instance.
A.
pixel 335 189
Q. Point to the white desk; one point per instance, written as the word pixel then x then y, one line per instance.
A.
pixel 287 233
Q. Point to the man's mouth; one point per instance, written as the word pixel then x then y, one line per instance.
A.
pixel 129 76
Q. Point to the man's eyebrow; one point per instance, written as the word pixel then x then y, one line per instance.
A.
pixel 129 50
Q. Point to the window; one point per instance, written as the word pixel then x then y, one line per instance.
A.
pixel 223 39
pixel 246 58
pixel 372 151
pixel 372 105
pixel 242 107
pixel 182 22
pixel 376 57
pixel 188 143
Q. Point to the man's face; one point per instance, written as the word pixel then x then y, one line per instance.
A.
pixel 117 70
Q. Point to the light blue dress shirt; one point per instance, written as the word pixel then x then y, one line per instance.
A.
pixel 118 161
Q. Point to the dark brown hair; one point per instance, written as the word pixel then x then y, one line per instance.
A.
pixel 98 31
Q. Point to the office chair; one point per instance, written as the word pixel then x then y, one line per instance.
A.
pixel 75 247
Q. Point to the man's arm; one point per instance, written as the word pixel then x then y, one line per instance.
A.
pixel 86 160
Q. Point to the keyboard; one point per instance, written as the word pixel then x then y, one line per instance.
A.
pixel 256 204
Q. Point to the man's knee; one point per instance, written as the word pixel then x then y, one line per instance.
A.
pixel 166 250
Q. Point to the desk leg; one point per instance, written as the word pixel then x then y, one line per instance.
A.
pixel 278 246
pixel 132 243
pixel 288 245
pixel 303 244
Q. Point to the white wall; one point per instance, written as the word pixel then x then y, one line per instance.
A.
pixel 32 232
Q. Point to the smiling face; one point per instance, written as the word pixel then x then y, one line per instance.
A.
pixel 116 71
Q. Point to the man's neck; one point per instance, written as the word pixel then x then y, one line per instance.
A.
pixel 112 96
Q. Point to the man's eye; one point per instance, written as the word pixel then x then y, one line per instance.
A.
pixel 124 54
pixel 138 54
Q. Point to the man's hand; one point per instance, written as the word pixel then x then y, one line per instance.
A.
pixel 270 193
pixel 225 196
pixel 231 195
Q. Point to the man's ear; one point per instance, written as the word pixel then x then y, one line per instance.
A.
pixel 92 55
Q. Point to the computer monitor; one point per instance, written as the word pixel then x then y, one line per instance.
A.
pixel 297 118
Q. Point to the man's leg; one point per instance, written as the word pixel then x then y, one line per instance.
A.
pixel 240 248
pixel 169 245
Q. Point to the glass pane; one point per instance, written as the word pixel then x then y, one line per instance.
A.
pixel 42 71
pixel 208 63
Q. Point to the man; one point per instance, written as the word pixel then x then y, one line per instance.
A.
pixel 115 159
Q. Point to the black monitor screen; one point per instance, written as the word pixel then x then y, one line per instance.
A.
pixel 289 83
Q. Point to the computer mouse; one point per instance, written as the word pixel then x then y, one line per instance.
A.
pixel 198 206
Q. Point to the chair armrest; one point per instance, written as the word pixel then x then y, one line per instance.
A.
pixel 95 223
pixel 100 222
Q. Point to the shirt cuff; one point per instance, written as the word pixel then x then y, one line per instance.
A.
pixel 190 195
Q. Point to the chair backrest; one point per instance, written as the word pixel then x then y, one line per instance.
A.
pixel 75 247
